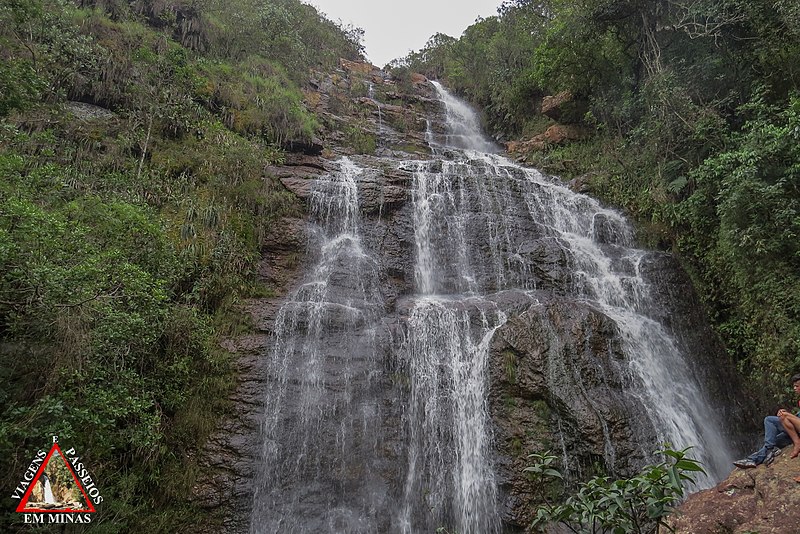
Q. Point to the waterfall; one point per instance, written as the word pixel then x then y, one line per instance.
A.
pixel 449 477
pixel 463 124
pixel 321 422
pixel 49 498
pixel 606 271
pixel 377 415
pixel 449 480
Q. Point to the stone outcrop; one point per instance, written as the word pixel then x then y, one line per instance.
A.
pixel 298 172
pixel 568 111
pixel 764 500
pixel 90 112
pixel 557 376
pixel 358 67
pixel 365 111
pixel 551 105
pixel 523 147
pixel 564 107
pixel 556 134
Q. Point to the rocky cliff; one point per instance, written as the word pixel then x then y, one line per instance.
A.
pixel 558 383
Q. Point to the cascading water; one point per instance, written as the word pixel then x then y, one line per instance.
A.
pixel 321 422
pixel 598 244
pixel 377 415
pixel 49 498
pixel 449 479
pixel 463 125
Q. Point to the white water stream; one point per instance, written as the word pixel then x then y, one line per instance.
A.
pixel 49 498
pixel 450 435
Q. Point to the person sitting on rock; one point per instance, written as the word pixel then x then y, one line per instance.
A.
pixel 779 431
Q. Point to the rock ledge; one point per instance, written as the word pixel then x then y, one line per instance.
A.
pixel 764 500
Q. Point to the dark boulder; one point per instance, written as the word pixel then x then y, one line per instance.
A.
pixel 309 147
pixel 557 383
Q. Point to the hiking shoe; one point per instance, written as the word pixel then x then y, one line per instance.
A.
pixel 747 463
pixel 772 454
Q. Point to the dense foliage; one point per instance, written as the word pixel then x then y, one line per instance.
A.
pixel 601 505
pixel 128 232
pixel 693 112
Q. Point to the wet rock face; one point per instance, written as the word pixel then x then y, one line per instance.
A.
pixel 557 368
pixel 224 490
pixel 557 375
pixel 548 262
pixel 560 382
pixel 384 189
pixel 557 371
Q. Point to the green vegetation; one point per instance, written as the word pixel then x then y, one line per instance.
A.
pixel 129 233
pixel 510 364
pixel 694 110
pixel 599 505
pixel 359 139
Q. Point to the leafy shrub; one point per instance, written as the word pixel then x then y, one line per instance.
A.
pixel 742 220
pixel 601 505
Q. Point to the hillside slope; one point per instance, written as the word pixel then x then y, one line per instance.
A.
pixel 135 199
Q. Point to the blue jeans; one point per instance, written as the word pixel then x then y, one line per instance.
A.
pixel 774 436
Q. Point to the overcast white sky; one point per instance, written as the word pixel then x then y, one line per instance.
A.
pixel 393 28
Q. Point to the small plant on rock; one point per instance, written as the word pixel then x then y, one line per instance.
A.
pixel 634 505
